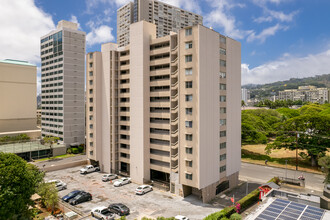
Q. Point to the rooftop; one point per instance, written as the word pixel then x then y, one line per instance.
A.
pixel 17 62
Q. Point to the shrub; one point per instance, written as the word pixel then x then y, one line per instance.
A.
pixel 80 148
pixel 249 200
pixel 235 216
pixel 69 151
pixel 225 213
pixel 75 150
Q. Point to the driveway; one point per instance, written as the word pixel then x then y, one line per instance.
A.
pixel 153 204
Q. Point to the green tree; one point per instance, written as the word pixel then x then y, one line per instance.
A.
pixel 51 140
pixel 243 103
pixel 49 195
pixel 18 182
pixel 313 130
pixel 325 163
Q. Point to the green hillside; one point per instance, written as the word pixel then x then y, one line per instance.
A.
pixel 266 90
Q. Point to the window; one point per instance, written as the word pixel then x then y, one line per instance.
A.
pixel 90 109
pixel 90 56
pixel 223 145
pixel 91 100
pixel 223 110
pixel 188 124
pixel 223 122
pixel 91 117
pixel 90 82
pixel 222 75
pixel 188 137
pixel 222 51
pixel 223 133
pixel 189 150
pixel 188 31
pixel 188 176
pixel 189 163
pixel 222 157
pixel 222 98
pixel 91 91
pixel 188 58
pixel 188 98
pixel 188 111
pixel 223 86
pixel 222 40
pixel 90 73
pixel 91 126
pixel 189 84
pixel 188 71
pixel 91 153
pixel 222 63
pixel 91 135
pixel 188 45
pixel 90 64
pixel 222 169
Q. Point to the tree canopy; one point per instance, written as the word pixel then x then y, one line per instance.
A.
pixel 18 182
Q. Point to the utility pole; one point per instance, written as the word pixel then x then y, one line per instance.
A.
pixel 297 135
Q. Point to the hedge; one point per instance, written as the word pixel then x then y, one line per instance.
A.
pixel 74 150
pixel 245 203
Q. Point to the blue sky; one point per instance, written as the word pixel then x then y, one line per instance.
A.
pixel 280 38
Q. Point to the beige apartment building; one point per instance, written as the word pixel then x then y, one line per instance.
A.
pixel 167 109
pixel 306 94
pixel 18 95
pixel 166 17
pixel 63 83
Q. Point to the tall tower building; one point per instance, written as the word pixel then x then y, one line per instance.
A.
pixel 166 17
pixel 62 83
pixel 167 109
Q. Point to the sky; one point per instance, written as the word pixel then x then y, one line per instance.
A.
pixel 280 39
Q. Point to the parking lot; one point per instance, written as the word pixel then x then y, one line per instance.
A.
pixel 153 204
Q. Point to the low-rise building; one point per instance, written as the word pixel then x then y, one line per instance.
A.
pixel 306 94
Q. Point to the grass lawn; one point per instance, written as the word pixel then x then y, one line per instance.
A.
pixel 256 154
pixel 59 156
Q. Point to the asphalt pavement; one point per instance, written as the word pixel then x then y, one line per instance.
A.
pixel 261 174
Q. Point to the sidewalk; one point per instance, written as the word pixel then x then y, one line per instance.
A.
pixel 272 164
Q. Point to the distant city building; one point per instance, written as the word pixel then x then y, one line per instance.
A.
pixel 306 94
pixel 63 83
pixel 18 95
pixel 166 17
pixel 245 94
pixel 167 109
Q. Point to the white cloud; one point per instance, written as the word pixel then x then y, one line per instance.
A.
pixel 101 34
pixel 22 24
pixel 267 32
pixel 271 15
pixel 287 67
pixel 220 17
pixel 75 20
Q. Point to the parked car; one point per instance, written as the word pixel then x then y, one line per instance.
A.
pixel 119 209
pixel 59 184
pixel 122 181
pixel 181 217
pixel 71 195
pixel 102 213
pixel 89 169
pixel 80 198
pixel 141 190
pixel 108 177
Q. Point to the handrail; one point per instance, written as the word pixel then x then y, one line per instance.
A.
pixel 173 144
pixel 175 84
pixel 175 72
pixel 176 47
pixel 173 61
pixel 174 120
pixel 173 156
pixel 175 96
pixel 174 132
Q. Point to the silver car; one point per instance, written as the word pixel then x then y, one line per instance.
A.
pixel 59 184
pixel 102 213
pixel 108 177
pixel 141 190
pixel 122 181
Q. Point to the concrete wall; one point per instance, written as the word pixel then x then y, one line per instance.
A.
pixel 233 106
pixel 18 95
pixel 140 35
pixel 65 166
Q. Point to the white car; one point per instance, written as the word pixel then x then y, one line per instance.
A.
pixel 181 217
pixel 102 213
pixel 122 181
pixel 108 177
pixel 59 184
pixel 89 169
pixel 143 189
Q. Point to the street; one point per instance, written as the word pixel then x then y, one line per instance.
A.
pixel 262 174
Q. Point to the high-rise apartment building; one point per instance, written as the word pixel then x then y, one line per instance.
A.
pixel 167 109
pixel 62 83
pixel 18 95
pixel 245 94
pixel 166 17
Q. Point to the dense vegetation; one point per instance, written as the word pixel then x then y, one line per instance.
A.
pixel 10 139
pixel 266 90
pixel 306 128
